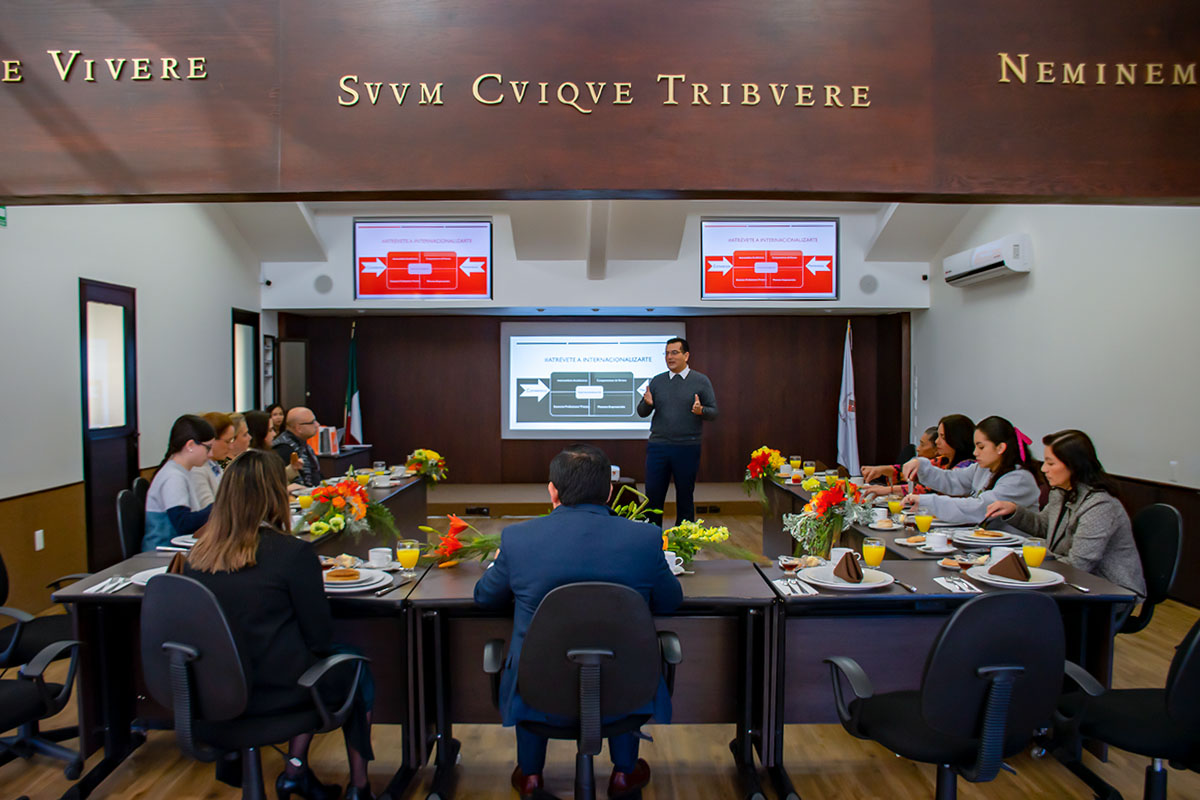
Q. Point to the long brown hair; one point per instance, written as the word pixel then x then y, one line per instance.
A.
pixel 253 493
pixel 1075 450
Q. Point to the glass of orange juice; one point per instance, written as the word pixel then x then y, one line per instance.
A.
pixel 796 462
pixel 1034 551
pixel 872 552
pixel 362 478
pixel 305 500
pixel 407 553
pixel 895 507
pixel 810 468
pixel 923 522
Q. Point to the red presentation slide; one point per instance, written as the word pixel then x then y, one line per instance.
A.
pixel 768 272
pixel 422 274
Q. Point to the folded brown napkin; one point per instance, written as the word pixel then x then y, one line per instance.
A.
pixel 177 562
pixel 1012 566
pixel 848 569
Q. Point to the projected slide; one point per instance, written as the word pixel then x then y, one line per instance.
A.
pixel 783 259
pixel 415 259
pixel 579 384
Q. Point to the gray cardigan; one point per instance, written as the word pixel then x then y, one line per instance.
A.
pixel 969 495
pixel 1089 531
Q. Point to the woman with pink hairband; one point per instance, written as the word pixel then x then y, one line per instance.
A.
pixel 1003 470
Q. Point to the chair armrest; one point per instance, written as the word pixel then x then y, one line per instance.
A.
pixel 313 675
pixel 672 655
pixel 493 663
pixel 860 684
pixel 74 576
pixel 17 614
pixel 1083 679
pixel 34 669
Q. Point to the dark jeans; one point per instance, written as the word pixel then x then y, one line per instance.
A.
pixel 531 751
pixel 682 461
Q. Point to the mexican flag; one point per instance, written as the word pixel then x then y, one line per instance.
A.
pixel 352 418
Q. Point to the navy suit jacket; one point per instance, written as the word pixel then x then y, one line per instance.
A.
pixel 572 544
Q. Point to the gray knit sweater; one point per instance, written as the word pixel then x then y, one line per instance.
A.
pixel 1089 531
pixel 674 422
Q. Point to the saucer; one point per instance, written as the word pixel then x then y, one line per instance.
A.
pixel 936 551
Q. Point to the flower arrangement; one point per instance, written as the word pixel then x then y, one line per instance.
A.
pixel 447 549
pixel 817 528
pixel 688 538
pixel 344 506
pixel 428 464
pixel 636 509
pixel 764 465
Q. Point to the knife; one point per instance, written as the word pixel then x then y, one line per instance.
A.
pixel 906 586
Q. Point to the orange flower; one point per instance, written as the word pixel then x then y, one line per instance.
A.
pixel 457 526
pixel 339 502
pixel 664 541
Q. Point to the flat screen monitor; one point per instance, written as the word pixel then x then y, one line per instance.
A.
pixel 422 259
pixel 579 380
pixel 769 259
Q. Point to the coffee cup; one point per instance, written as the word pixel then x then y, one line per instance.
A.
pixel 858 480
pixel 937 540
pixel 616 473
pixel 381 481
pixel 880 513
pixel 785 469
pixel 379 556
pixel 835 555
pixel 673 561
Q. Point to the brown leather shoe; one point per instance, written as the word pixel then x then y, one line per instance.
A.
pixel 525 784
pixel 623 783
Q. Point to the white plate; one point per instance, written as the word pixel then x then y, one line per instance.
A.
pixel 893 528
pixel 365 576
pixel 383 580
pixel 823 576
pixel 141 578
pixel 940 551
pixel 184 541
pixel 901 541
pixel 1038 578
pixel 1006 539
pixel 358 562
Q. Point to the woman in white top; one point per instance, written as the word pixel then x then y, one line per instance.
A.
pixel 207 477
pixel 1003 470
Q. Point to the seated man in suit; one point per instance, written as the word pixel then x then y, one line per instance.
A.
pixel 580 540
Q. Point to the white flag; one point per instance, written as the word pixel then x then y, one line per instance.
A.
pixel 847 454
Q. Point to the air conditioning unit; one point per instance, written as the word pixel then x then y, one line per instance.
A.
pixel 1012 255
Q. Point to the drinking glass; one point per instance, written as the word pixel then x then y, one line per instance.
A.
pixel 896 508
pixel 363 479
pixel 923 522
pixel 796 462
pixel 872 552
pixel 1034 551
pixel 407 553
pixel 379 466
pixel 305 500
pixel 810 468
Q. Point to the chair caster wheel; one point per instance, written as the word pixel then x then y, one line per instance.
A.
pixel 1037 752
pixel 73 770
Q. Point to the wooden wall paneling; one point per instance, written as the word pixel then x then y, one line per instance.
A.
pixel 1137 494
pixel 58 512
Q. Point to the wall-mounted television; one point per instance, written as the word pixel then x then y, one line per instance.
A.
pixel 769 259
pixel 422 259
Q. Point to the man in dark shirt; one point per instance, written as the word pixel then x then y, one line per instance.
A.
pixel 300 426
pixel 680 399
pixel 578 541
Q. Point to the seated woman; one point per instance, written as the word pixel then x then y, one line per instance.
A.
pixel 1002 470
pixel 271 588
pixel 277 414
pixel 241 438
pixel 952 443
pixel 207 477
pixel 172 507
pixel 261 437
pixel 1083 523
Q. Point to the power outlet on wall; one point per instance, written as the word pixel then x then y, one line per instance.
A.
pixel 39 539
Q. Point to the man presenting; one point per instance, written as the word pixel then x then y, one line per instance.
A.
pixel 292 445
pixel 681 399
pixel 579 541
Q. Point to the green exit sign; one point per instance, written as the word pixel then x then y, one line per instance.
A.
pixel 3 216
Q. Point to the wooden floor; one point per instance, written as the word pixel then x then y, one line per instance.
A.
pixel 688 761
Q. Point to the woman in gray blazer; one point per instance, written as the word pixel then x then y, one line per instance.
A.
pixel 1084 523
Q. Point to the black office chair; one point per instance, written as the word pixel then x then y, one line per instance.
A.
pixel 1163 724
pixel 141 488
pixel 591 652
pixel 131 523
pixel 29 699
pixel 992 677
pixel 1158 533
pixel 30 635
pixel 192 665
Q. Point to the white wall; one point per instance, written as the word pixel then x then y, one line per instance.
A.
pixel 189 266
pixel 1102 336
pixel 665 284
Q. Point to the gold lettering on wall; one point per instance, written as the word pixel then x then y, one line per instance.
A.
pixel 12 71
pixel 1016 69
pixel 141 68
